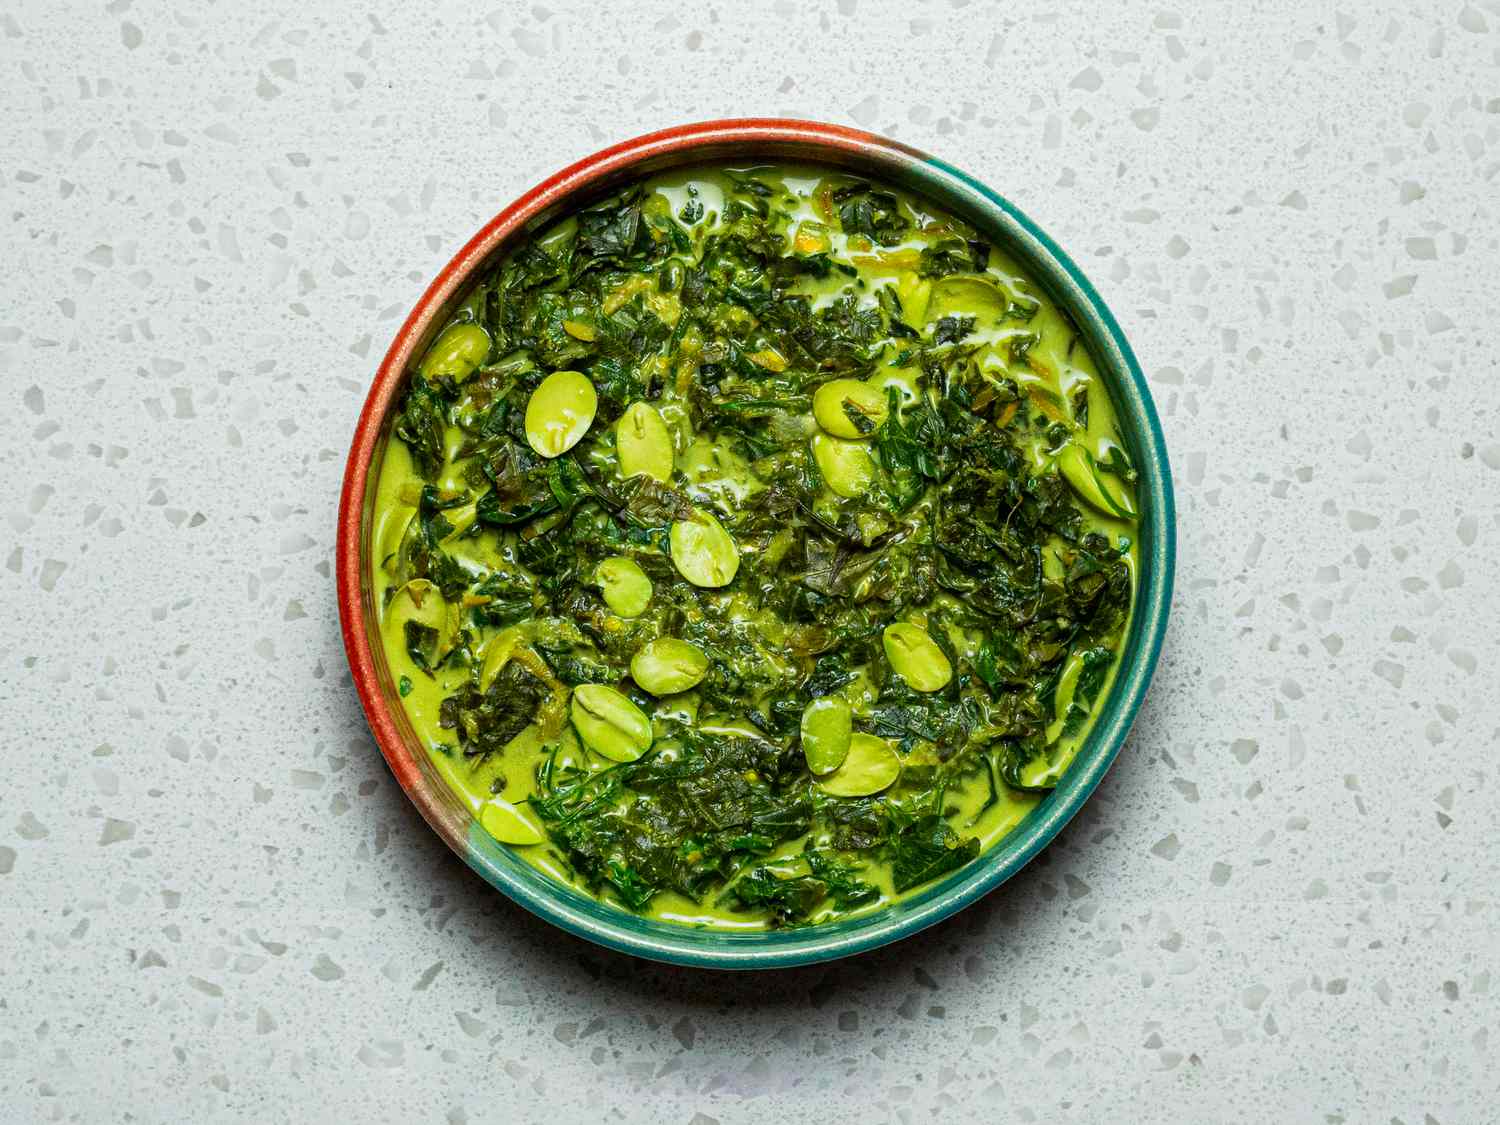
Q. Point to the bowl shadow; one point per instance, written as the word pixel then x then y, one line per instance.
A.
pixel 1019 913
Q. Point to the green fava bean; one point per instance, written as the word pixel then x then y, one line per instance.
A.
pixel 509 824
pixel 609 724
pixel 872 765
pixel 624 586
pixel 419 602
pixel 848 408
pixel 826 733
pixel 846 466
pixel 914 292
pixel 458 349
pixel 559 412
pixel 1081 471
pixel 703 552
pixel 916 657
pixel 966 296
pixel 643 443
pixel 667 666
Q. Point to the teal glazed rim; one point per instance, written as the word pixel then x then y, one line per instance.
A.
pixel 748 140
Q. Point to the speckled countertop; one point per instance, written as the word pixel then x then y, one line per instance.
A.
pixel 216 905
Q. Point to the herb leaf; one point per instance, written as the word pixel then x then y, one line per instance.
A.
pixel 927 849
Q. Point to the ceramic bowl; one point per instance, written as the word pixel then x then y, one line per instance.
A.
pixel 748 141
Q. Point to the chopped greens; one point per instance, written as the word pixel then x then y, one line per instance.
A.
pixel 764 536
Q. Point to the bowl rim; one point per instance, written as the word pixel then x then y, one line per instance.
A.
pixel 956 191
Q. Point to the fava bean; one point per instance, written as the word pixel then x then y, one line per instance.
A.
pixel 1079 469
pixel 872 765
pixel 704 553
pixel 395 523
pixel 623 585
pixel 914 292
pixel 667 666
pixel 846 466
pixel 916 657
pixel 609 724
pixel 848 408
pixel 643 443
pixel 508 823
pixel 559 412
pixel 458 349
pixel 902 381
pixel 425 622
pixel 826 732
pixel 966 296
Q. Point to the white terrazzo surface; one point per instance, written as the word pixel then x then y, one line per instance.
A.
pixel 216 905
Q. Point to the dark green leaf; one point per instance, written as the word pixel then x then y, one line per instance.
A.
pixel 927 849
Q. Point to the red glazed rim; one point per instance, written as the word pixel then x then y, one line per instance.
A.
pixel 956 191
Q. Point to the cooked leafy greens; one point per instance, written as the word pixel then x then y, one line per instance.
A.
pixel 716 447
